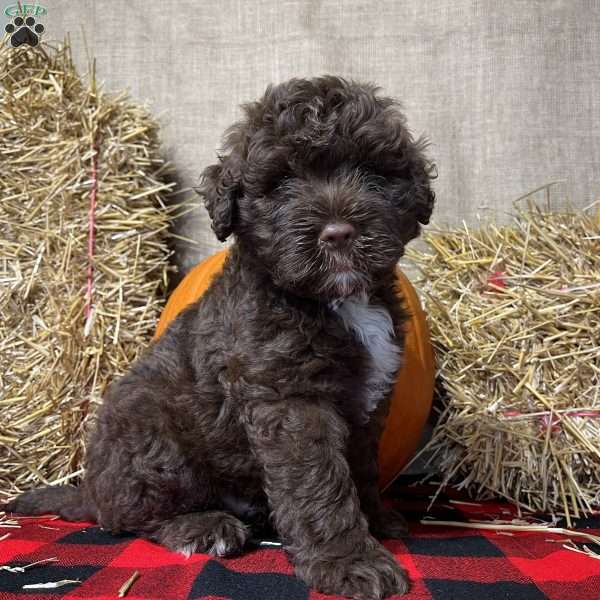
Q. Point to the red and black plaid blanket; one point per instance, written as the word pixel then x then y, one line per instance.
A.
pixel 443 562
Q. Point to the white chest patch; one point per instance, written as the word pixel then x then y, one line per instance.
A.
pixel 373 327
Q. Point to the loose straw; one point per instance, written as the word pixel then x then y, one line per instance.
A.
pixel 91 231
pixel 124 589
pixel 526 528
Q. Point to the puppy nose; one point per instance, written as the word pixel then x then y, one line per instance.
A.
pixel 337 234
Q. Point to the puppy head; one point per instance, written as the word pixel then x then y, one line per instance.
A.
pixel 322 183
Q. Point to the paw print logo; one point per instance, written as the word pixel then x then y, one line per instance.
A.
pixel 24 31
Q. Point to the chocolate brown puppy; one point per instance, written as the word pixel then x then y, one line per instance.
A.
pixel 265 400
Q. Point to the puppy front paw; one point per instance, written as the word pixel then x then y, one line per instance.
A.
pixel 370 575
pixel 389 524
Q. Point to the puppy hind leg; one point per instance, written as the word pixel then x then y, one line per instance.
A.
pixel 66 501
pixel 213 532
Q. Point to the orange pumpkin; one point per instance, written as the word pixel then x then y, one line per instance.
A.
pixel 413 391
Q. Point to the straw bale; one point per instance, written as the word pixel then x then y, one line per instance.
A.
pixel 514 313
pixel 56 359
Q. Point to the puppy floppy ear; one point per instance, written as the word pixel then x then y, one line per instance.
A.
pixel 221 187
pixel 423 197
pixel 415 191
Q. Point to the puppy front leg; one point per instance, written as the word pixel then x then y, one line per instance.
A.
pixel 314 501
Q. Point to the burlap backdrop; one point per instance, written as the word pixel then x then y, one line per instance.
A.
pixel 509 92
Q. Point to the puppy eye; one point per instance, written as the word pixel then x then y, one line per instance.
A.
pixel 399 190
pixel 373 180
pixel 377 177
pixel 281 182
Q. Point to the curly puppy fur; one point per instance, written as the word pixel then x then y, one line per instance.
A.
pixel 265 400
